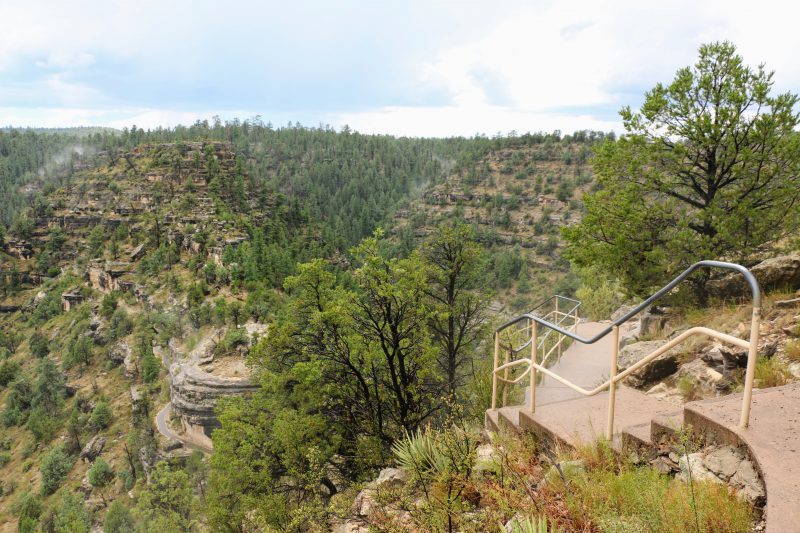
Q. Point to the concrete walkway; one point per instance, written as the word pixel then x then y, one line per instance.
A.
pixel 566 418
pixel 772 439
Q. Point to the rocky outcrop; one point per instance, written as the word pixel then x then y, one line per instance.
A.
pixel 724 464
pixel 661 367
pixel 781 272
pixel 93 449
pixel 195 393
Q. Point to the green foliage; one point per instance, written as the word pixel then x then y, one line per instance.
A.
pixel 599 294
pixel 70 515
pixel 42 424
pixel 39 345
pixel 533 525
pixel 708 170
pixel 78 351
pixel 771 372
pixel 54 468
pixel 100 474
pixel 109 304
pixel 101 415
pixel 118 519
pixel 120 324
pixel 8 371
pixel 166 502
pixel 29 509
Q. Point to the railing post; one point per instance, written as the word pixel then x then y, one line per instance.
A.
pixel 752 354
pixel 612 387
pixel 505 377
pixel 532 376
pixel 560 335
pixel 494 370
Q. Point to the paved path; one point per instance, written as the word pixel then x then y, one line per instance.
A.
pixel 162 424
pixel 773 439
pixel 568 418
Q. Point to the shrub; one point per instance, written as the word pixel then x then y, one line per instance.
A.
pixel 8 371
pixel 101 415
pixel 42 425
pixel 39 345
pixel 121 324
pixel 118 519
pixel 5 457
pixel 29 508
pixel 71 516
pixel 54 468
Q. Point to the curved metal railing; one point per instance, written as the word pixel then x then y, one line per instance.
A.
pixel 534 365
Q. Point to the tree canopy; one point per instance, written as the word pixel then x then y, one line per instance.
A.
pixel 708 169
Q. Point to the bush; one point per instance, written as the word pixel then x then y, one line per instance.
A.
pixel 150 368
pixel 5 457
pixel 771 372
pixel 39 345
pixel 29 509
pixel 42 425
pixel 101 416
pixel 8 371
pixel 118 519
pixel 54 468
pixel 121 324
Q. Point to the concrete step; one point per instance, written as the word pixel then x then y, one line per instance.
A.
pixel 636 437
pixel 665 426
pixel 583 420
pixel 772 441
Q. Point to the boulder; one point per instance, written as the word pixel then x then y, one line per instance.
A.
pixel 93 448
pixel 692 466
pixel 700 373
pixel 652 321
pixel 392 478
pixel 364 504
pixel 119 352
pixel 776 273
pixel 661 367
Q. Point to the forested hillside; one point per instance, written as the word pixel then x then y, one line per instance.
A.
pixel 143 266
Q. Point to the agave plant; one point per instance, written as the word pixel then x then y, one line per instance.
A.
pixel 532 525
pixel 421 454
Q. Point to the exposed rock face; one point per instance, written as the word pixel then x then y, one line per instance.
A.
pixel 775 273
pixel 109 276
pixel 725 464
pixel 195 393
pixel 93 448
pixel 658 369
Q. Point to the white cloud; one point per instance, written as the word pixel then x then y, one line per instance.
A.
pixel 542 65
pixel 66 60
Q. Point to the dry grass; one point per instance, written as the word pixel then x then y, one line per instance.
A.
pixel 771 372
pixel 792 350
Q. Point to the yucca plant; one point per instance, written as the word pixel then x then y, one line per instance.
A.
pixel 532 525
pixel 420 454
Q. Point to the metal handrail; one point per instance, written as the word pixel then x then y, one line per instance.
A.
pixel 610 384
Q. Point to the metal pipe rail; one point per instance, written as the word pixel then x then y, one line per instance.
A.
pixel 534 366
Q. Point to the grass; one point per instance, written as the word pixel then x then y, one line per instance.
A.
pixel 771 372
pixel 598 490
pixel 792 350
pixel 689 388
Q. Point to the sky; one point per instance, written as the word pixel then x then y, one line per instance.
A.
pixel 427 68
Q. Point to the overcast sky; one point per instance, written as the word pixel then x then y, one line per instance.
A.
pixel 407 68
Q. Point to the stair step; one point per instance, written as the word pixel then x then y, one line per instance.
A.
pixel 665 425
pixel 509 418
pixel 636 437
pixel 490 420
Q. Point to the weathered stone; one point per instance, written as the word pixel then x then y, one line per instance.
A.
pixel 652 321
pixel 692 466
pixel 723 462
pixel 391 478
pixel 776 273
pixel 747 480
pixel 662 366
pixel 352 526
pixel 364 504
pixel 93 448
pixel 700 373
pixel 119 352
